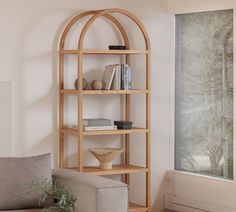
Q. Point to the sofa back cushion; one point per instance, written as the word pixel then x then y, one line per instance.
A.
pixel 18 177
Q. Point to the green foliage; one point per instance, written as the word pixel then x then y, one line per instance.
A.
pixel 63 200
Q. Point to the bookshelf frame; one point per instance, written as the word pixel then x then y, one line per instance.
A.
pixel 124 169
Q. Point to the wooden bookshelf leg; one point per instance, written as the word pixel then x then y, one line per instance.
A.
pixel 61 111
pixel 124 176
pixel 127 157
pixel 127 137
pixel 61 135
pixel 61 152
pixel 148 136
pixel 80 112
pixel 148 199
pixel 80 156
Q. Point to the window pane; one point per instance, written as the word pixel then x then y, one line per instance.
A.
pixel 204 93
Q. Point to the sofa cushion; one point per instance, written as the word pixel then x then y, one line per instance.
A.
pixel 17 175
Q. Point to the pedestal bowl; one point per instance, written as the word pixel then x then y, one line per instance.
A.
pixel 105 156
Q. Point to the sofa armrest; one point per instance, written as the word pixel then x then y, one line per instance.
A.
pixel 94 193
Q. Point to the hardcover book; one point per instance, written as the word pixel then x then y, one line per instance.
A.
pixel 97 122
pixel 122 79
pixel 95 128
pixel 108 76
pixel 117 79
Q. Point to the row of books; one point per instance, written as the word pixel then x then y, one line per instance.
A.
pixel 98 124
pixel 118 77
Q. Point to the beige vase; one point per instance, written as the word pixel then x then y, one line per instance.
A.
pixel 105 156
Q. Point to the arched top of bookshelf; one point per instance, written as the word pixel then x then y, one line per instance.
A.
pixel 107 14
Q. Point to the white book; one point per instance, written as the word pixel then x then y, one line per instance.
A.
pixel 129 79
pixel 116 79
pixel 94 128
pixel 108 76
pixel 126 77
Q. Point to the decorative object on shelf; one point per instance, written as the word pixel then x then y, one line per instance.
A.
pixel 105 156
pixel 117 47
pixel 97 85
pixel 85 84
pixel 123 124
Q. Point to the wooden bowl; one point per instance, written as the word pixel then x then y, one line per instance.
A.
pixel 105 156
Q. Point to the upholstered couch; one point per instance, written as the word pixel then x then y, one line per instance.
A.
pixel 93 193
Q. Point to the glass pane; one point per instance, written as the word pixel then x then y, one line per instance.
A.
pixel 204 93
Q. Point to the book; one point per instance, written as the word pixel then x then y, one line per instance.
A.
pixel 116 79
pixel 122 77
pixel 108 76
pixel 129 79
pixel 97 122
pixel 126 77
pixel 95 128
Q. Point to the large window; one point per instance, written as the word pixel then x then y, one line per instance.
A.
pixel 204 93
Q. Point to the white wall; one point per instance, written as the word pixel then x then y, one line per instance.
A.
pixel 185 6
pixel 5 117
pixel 30 31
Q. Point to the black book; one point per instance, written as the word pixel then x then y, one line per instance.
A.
pixel 122 77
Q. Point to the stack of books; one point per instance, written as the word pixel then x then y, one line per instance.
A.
pixel 118 77
pixel 98 124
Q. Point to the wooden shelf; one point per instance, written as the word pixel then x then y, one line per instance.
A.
pixel 116 132
pixel 70 131
pixel 69 91
pixel 133 207
pixel 116 169
pixel 125 107
pixel 104 92
pixel 104 52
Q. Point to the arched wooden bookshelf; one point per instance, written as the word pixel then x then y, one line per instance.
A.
pixel 126 168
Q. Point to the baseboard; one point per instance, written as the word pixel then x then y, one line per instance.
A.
pixel 182 204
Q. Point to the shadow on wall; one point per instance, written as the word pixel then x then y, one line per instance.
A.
pixel 36 87
pixel 5 118
pixel 159 201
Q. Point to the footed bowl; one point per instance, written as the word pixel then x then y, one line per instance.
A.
pixel 105 156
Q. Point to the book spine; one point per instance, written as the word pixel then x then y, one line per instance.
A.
pixel 85 122
pixel 119 77
pixel 116 85
pixel 108 76
pixel 93 128
pixel 99 123
pixel 126 77
pixel 112 77
pixel 129 78
pixel 122 77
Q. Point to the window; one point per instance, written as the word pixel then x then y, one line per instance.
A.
pixel 204 93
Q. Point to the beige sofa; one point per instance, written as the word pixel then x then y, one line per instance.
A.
pixel 93 193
